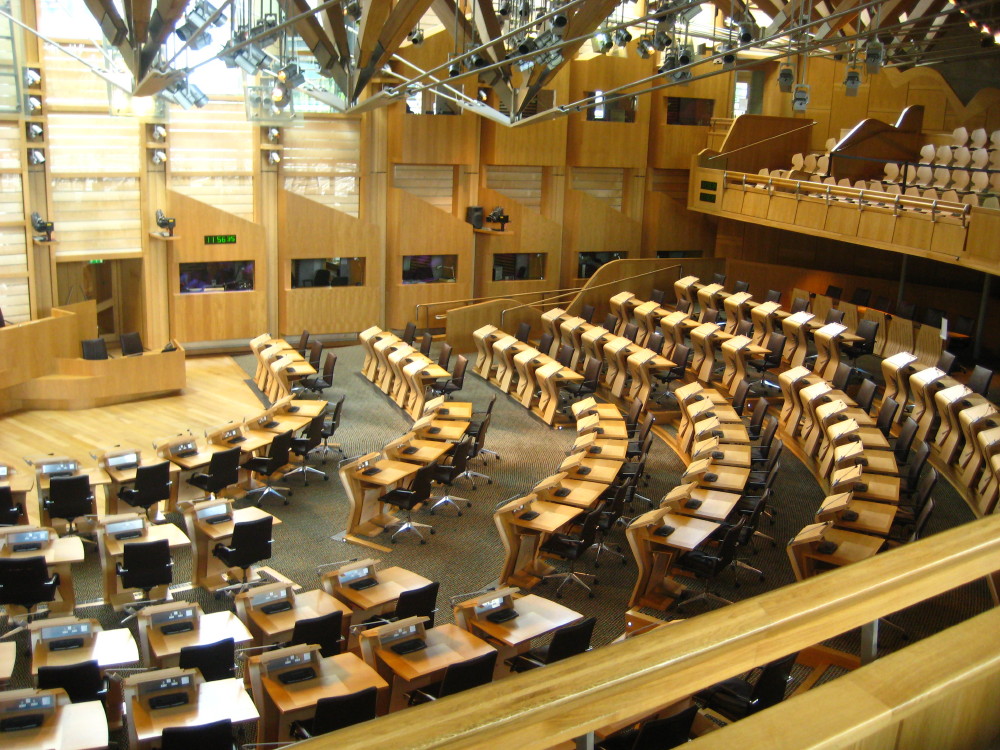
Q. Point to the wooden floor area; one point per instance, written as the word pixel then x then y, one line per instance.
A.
pixel 215 393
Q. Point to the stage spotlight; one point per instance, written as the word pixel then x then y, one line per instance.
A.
pixel 32 77
pixel 281 96
pixel 273 157
pixel 524 9
pixel 874 56
pixel 291 75
pixel 249 59
pixel 528 45
pixel 353 9
pixel 159 156
pixel 644 48
pixel 686 55
pixel 728 56
pixel 504 9
pixel 416 36
pixel 36 156
pixel 602 42
pixel 622 37
pixel 34 104
pixel 35 131
pixel 786 79
pixel 558 24
pixel 455 68
pixel 159 133
pixel 477 61
pixel 748 32
pixel 273 135
pixel 852 81
pixel 661 40
pixel 800 98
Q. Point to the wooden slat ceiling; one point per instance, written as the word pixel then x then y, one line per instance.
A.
pixel 354 53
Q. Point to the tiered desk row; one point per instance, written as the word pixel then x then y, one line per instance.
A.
pixel 399 370
pixel 278 366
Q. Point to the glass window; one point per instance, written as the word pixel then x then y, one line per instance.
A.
pixel 683 110
pixel 590 262
pixel 621 109
pixel 679 253
pixel 310 272
pixel 429 269
pixel 518 266
pixel 221 276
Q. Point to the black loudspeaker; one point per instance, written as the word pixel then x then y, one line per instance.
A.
pixel 474 215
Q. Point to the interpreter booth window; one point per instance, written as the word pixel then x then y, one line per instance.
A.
pixel 219 276
pixel 684 110
pixel 518 266
pixel 679 253
pixel 429 269
pixel 313 272
pixel 619 109
pixel 590 262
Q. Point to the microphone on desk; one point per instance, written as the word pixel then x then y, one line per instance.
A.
pixel 336 564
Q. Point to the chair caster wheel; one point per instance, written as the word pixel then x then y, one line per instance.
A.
pixel 432 532
pixel 326 479
pixel 468 505
pixel 459 512
pixel 423 541
pixel 393 541
pixel 286 502
pixel 596 582
pixel 762 578
pixel 597 565
pixel 490 482
pixel 590 595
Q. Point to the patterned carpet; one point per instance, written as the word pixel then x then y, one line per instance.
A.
pixel 465 554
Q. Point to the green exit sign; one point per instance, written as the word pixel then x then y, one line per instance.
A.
pixel 220 239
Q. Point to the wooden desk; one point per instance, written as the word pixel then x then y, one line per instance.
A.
pixel 59 554
pixel 460 411
pixel 377 599
pixel 704 339
pixel 443 429
pixel 218 700
pixel 551 377
pixel 112 550
pixel 280 705
pixel 98 478
pixel 536 618
pixel 162 651
pixel 483 338
pixel 109 648
pixel 207 570
pixel 655 555
pixel 504 349
pixel 796 327
pixel 523 538
pixel 713 505
pixel 595 470
pixel 551 320
pixel 277 628
pixel 873 518
pixel 410 449
pixel 446 645
pixel 584 495
pixel 122 477
pixel 72 726
pixel 851 547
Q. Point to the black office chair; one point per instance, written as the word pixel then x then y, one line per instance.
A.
pixel 337 713
pixel 741 286
pixel 94 349
pixel 325 631
pixel 323 381
pixel 906 310
pixel 740 396
pixel 268 466
pixel 655 734
pixel 711 315
pixel 680 357
pixel 866 330
pixel 459 677
pixel 932 317
pixel 215 736
pixel 719 278
pixel 756 424
pixel 251 543
pixel 738 697
pixel 571 548
pixel 223 471
pixel 833 316
pixel 708 562
pixel 886 413
pixel 658 296
pixel 770 361
pixel 454 384
pixel 409 333
pixel 477 450
pixel 152 485
pixel 26 582
pixel 631 331
pixel 303 343
pixel 315 352
pixel 448 474
pixel 861 297
pixel 330 428
pixel 882 304
pixel 586 387
pixel 419 602
pixel 834 292
pixel 145 565
pixel 683 306
pixel 910 508
pixel 610 322
pixel 565 355
pixel 131 343
pixel 587 313
pixel 444 356
pixel 907 433
pixel 909 480
pixel 69 499
pixel 426 341
pixel 655 342
pixel 303 446
pixel 10 512
pixel 545 343
pixel 758 453
pixel 946 361
pixel 842 376
pixel 865 396
pixel 82 682
pixel 773 295
pixel 478 417
pixel 568 641
pixel 611 512
pixel 744 328
pixel 799 304
pixel 979 381
pixel 215 661
pixel 408 498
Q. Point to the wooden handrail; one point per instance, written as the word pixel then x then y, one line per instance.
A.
pixel 566 700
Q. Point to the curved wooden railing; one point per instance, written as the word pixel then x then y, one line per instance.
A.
pixel 568 700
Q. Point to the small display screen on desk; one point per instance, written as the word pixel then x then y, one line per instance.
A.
pixel 171 683
pixel 355 575
pixel 59 468
pixel 187 448
pixel 292 660
pixel 27 537
pixel 266 421
pixel 124 527
pixel 64 631
pixel 270 596
pixel 216 510
pixel 230 434
pixel 398 633
pixel 489 606
pixel 174 615
pixel 123 461
pixel 33 703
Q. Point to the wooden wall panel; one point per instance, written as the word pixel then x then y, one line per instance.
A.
pixel 432 139
pixel 542 143
pixel 671 146
pixel 607 144
pixel 313 230
pixel 414 227
pixel 668 226
pixel 591 225
pixel 215 315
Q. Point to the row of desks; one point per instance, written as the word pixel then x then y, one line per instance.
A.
pixel 398 369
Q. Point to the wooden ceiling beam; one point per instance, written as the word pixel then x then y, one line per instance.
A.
pixel 382 31
pixel 114 28
pixel 137 19
pixel 318 41
pixel 163 20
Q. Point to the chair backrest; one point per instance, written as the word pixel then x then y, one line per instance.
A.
pixel 571 640
pixel 565 355
pixel 10 511
pixel 344 711
pixel 94 349
pixel 545 343
pixel 610 322
pixel 458 376
pixel 631 331
pixel 523 332
pixel 744 328
pixel 468 674
pixel 901 450
pixel 152 483
pixel 683 305
pixel 921 523
pixel 325 631
pixel 767 435
pixel 946 361
pixel 905 309
pixel 916 466
pixel 886 412
pixel 82 681
pixel 215 661
pixel 146 564
pixel 409 332
pixel 775 345
pixel 425 343
pixel 131 343
pixel 587 313
pixel 770 687
pixel 834 316
pixel 882 303
pixel 215 736
pixel 647 426
pixel 423 482
pixel 303 341
pixel 979 381
pixel 313 437
pixel 25 581
pixel 338 409
pixel 711 315
pixel 658 296
pixel 252 541
pixel 315 353
pixel 841 376
pixel 70 497
pixel 924 489
pixel 655 342
pixel 277 454
pixel 773 295
pixel 591 373
pixel 861 297
pixel 444 357
pixel 718 278
pixel 632 418
pixel 680 357
pixel 799 304
pixel 740 396
pixel 224 467
pixel 419 602
pixel 480 441
pixel 665 733
pixel 589 531
pixel 741 286
pixel 866 394
pixel 759 412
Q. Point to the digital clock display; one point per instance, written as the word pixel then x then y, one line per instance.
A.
pixel 220 239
